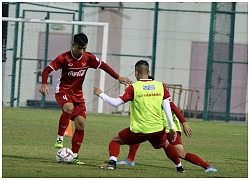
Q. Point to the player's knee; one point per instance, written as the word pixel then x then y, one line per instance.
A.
pixel 80 126
pixel 118 139
pixel 181 153
pixel 68 107
pixel 166 144
pixel 79 122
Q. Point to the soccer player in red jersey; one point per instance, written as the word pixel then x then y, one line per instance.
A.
pixel 148 99
pixel 190 157
pixel 69 95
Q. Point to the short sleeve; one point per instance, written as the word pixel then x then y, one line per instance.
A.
pixel 57 63
pixel 94 62
pixel 128 94
pixel 167 94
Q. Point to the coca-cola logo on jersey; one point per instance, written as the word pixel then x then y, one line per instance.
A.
pixel 77 74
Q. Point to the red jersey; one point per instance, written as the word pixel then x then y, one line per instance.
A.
pixel 128 94
pixel 73 71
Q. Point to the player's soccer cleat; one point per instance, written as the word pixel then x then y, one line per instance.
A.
pixel 180 169
pixel 125 162
pixel 77 161
pixel 110 166
pixel 59 144
pixel 211 169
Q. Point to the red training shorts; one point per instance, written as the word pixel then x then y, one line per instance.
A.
pixel 79 105
pixel 178 138
pixel 157 139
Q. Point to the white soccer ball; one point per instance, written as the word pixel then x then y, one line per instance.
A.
pixel 64 155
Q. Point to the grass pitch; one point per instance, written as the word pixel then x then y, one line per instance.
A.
pixel 28 138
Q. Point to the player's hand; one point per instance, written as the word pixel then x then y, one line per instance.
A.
pixel 172 132
pixel 125 81
pixel 187 130
pixel 44 89
pixel 97 91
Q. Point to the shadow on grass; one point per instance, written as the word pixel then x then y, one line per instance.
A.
pixel 25 157
pixel 145 165
pixel 44 160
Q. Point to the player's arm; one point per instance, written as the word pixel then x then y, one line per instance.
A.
pixel 126 96
pixel 45 74
pixel 187 130
pixel 53 66
pixel 112 101
pixel 167 110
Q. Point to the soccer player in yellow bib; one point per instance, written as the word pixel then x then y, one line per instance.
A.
pixel 178 124
pixel 147 99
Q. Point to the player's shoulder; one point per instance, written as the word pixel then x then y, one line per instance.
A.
pixel 130 88
pixel 158 82
pixel 90 55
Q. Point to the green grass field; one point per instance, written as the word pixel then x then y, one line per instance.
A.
pixel 28 138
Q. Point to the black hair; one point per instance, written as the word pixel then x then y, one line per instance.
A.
pixel 151 77
pixel 81 39
pixel 142 66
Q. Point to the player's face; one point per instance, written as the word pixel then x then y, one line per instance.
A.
pixel 78 50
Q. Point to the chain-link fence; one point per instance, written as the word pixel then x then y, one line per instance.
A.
pixel 172 37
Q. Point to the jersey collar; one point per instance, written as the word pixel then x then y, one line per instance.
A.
pixel 145 79
pixel 74 56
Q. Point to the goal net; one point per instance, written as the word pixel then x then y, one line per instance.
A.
pixel 31 44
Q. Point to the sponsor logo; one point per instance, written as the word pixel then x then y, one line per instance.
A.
pixel 148 95
pixel 148 87
pixel 76 74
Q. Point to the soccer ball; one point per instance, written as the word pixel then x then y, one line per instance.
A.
pixel 64 155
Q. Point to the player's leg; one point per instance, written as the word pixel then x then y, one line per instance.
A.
pixel 171 153
pixel 159 140
pixel 67 106
pixel 77 138
pixel 190 157
pixel 131 156
pixel 114 151
pixel 193 158
pixel 124 137
pixel 79 116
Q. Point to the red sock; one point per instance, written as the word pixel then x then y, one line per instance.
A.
pixel 132 151
pixel 172 154
pixel 196 160
pixel 63 123
pixel 77 140
pixel 114 148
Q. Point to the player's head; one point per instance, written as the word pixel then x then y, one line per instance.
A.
pixel 80 44
pixel 80 39
pixel 141 70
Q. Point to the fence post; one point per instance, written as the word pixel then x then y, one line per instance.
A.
pixel 154 38
pixel 14 59
pixel 46 46
pixel 209 62
pixel 230 65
